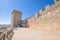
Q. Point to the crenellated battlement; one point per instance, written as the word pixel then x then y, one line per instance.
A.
pixel 48 19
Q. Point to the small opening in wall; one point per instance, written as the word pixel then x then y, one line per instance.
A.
pixel 38 15
pixel 57 0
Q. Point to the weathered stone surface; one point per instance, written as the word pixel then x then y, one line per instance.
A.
pixel 47 20
pixel 31 34
pixel 16 18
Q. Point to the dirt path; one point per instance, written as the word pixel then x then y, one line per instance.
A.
pixel 29 34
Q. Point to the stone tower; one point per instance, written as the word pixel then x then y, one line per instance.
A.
pixel 16 18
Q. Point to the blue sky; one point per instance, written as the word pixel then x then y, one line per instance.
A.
pixel 27 7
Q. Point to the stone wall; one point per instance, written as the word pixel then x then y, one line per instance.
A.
pixel 47 20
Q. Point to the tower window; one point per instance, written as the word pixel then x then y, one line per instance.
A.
pixel 57 0
pixel 38 15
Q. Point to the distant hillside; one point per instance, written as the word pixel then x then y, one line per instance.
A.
pixel 1 26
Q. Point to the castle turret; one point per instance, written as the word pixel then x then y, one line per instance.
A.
pixel 16 18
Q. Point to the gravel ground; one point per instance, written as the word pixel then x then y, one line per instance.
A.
pixel 30 34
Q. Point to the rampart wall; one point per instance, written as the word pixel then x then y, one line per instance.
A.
pixel 47 20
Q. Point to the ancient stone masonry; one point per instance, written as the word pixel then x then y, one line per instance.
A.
pixel 16 18
pixel 48 19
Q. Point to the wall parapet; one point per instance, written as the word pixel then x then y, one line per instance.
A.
pixel 47 20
